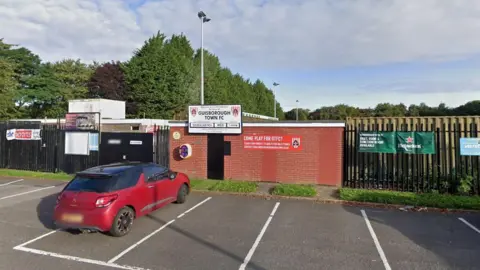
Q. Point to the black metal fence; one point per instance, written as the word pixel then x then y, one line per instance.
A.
pixel 161 143
pixel 48 154
pixel 446 171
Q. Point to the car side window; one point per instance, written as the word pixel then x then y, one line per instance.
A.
pixel 127 178
pixel 154 173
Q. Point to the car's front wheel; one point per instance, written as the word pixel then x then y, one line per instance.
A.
pixel 123 222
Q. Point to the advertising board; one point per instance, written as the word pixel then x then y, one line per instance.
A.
pixel 81 121
pixel 272 142
pixel 221 119
pixel 23 134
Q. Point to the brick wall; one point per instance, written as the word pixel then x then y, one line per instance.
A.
pixel 319 162
pixel 196 165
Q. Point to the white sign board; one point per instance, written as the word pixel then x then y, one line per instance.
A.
pixel 224 119
pixel 76 143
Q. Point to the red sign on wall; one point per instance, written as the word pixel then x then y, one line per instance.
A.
pixel 272 142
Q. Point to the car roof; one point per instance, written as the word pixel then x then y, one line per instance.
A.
pixel 114 168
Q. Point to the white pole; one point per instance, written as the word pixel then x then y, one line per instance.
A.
pixel 201 67
pixel 274 102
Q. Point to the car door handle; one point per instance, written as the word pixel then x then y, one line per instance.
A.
pixel 152 186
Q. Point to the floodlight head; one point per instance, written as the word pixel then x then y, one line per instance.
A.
pixel 276 84
pixel 205 19
pixel 201 14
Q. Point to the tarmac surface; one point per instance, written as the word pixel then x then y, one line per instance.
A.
pixel 236 232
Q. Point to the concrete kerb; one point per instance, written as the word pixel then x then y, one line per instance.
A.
pixel 336 201
pixel 268 196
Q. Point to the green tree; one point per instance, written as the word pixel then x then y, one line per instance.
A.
pixel 25 65
pixel 8 86
pixel 263 105
pixel 160 77
pixel 303 114
pixel 45 95
pixel 215 81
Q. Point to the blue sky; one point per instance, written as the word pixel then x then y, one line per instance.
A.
pixel 322 52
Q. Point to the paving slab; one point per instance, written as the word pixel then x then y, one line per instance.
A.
pixel 307 235
pixel 425 240
pixel 103 247
pixel 216 236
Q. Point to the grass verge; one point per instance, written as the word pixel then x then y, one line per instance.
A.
pixel 294 190
pixel 224 185
pixel 31 174
pixel 410 198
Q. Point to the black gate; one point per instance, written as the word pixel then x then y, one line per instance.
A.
pixel 118 147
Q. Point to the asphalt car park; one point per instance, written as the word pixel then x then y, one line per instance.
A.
pixel 236 232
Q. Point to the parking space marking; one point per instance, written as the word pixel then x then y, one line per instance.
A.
pixel 155 232
pixel 375 240
pixel 110 263
pixel 469 225
pixel 259 238
pixel 6 184
pixel 78 259
pixel 27 192
pixel 36 239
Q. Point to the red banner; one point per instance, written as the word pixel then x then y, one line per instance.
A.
pixel 272 142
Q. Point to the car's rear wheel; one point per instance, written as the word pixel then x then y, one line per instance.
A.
pixel 123 222
pixel 182 194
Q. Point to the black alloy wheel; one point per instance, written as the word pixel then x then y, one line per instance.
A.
pixel 123 222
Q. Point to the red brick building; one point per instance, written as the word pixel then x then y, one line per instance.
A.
pixel 286 152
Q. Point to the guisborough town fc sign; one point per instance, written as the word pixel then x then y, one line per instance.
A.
pixel 222 119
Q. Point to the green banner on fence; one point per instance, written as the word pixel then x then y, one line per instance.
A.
pixel 397 142
pixel 416 142
pixel 377 142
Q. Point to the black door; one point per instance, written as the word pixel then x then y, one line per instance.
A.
pixel 118 147
pixel 215 153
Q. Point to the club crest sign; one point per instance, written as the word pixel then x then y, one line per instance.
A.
pixel 215 119
pixel 295 143
pixel 193 111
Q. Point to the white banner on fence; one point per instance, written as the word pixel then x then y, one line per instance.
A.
pixel 225 119
pixel 23 134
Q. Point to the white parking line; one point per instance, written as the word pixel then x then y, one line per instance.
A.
pixel 23 193
pixel 153 233
pixel 375 240
pixel 36 239
pixel 259 238
pixel 6 184
pixel 78 259
pixel 469 225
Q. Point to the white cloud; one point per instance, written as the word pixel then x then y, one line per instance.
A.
pixel 275 33
pixel 252 35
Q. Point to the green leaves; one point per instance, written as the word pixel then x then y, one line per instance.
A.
pixel 160 80
pixel 8 86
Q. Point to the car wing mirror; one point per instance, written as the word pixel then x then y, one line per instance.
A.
pixel 172 175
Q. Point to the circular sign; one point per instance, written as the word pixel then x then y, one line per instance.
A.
pixel 185 151
pixel 176 135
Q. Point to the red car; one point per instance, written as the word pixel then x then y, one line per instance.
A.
pixel 108 198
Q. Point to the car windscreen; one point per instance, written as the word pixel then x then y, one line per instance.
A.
pixel 92 183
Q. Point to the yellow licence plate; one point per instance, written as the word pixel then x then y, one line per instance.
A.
pixel 75 218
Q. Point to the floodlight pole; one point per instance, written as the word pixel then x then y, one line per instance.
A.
pixel 275 99
pixel 203 19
